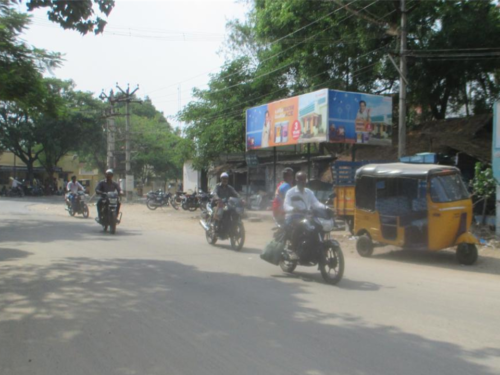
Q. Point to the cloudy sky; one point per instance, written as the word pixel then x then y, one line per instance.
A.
pixel 161 45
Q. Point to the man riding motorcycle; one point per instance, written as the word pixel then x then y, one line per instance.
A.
pixel 222 191
pixel 73 187
pixel 106 186
pixel 298 201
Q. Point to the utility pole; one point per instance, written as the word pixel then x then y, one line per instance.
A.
pixel 402 83
pixel 110 128
pixel 127 97
pixel 129 178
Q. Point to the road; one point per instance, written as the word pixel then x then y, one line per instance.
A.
pixel 74 300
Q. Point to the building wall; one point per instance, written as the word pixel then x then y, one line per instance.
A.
pixel 190 177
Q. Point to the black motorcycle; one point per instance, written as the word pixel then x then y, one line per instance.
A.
pixel 78 206
pixel 159 198
pixel 190 202
pixel 228 226
pixel 109 214
pixel 308 243
pixel 16 192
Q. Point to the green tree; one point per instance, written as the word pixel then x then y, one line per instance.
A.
pixel 82 15
pixel 483 185
pixel 20 65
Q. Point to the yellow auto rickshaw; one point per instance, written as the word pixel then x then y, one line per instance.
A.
pixel 413 206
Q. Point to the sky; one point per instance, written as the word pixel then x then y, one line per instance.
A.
pixel 164 46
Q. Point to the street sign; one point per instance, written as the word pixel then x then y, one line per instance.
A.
pixel 252 160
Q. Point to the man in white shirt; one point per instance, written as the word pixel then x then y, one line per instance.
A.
pixel 73 187
pixel 299 199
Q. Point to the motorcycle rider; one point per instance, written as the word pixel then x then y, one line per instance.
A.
pixel 73 187
pixel 298 201
pixel 281 190
pixel 223 191
pixel 106 186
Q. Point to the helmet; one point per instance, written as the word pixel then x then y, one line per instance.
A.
pixel 224 175
pixel 109 171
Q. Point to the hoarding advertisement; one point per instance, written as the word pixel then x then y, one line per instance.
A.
pixel 359 118
pixel 296 120
pixel 321 116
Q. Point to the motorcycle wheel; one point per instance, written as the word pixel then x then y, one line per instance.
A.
pixel 151 205
pixel 332 267
pixel 184 207
pixel 112 223
pixel 71 212
pixel 174 204
pixel 238 239
pixel 193 207
pixel 85 211
pixel 288 266
pixel 211 237
pixel 105 228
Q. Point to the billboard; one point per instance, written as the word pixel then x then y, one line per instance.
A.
pixel 296 120
pixel 321 116
pixel 359 118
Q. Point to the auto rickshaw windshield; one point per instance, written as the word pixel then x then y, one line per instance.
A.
pixel 448 188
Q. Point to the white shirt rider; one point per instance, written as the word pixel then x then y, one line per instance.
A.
pixel 304 194
pixel 73 187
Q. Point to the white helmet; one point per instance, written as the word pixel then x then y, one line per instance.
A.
pixel 224 175
pixel 109 171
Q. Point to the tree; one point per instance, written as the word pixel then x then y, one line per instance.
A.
pixel 78 117
pixel 483 185
pixel 453 62
pixel 21 66
pixel 82 15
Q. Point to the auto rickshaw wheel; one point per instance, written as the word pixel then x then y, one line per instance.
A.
pixel 364 246
pixel 466 254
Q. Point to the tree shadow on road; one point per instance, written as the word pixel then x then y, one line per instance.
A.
pixel 134 316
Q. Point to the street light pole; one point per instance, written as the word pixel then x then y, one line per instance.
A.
pixel 402 83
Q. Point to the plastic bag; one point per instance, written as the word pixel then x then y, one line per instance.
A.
pixel 272 252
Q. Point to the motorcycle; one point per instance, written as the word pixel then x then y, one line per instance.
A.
pixel 179 197
pixel 158 198
pixel 109 214
pixel 190 202
pixel 16 192
pixel 309 240
pixel 229 224
pixel 78 206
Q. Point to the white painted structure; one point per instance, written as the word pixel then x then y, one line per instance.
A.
pixel 190 177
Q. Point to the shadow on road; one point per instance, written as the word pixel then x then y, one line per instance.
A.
pixel 441 259
pixel 8 254
pixel 44 231
pixel 133 316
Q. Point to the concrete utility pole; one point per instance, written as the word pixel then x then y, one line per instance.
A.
pixel 128 98
pixel 402 83
pixel 109 113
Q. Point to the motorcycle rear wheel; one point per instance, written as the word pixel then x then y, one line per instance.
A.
pixel 174 204
pixel 150 205
pixel 332 267
pixel 288 266
pixel 193 207
pixel 211 237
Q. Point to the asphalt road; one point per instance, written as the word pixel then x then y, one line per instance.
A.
pixel 74 300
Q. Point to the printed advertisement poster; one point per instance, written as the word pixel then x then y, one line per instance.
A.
pixel 360 118
pixel 296 120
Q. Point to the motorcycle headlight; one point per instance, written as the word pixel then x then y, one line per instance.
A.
pixel 113 200
pixel 327 224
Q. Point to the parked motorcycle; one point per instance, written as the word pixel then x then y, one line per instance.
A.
pixel 79 206
pixel 179 197
pixel 159 198
pixel 109 215
pixel 309 240
pixel 190 202
pixel 228 226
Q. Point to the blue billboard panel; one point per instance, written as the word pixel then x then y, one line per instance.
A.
pixel 359 118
